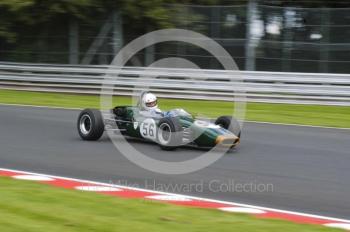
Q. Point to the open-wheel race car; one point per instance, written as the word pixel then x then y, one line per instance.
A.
pixel 173 129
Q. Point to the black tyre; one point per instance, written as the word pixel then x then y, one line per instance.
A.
pixel 90 124
pixel 169 134
pixel 229 123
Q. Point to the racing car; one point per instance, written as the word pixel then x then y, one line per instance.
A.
pixel 170 129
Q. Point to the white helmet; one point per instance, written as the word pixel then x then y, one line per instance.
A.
pixel 149 101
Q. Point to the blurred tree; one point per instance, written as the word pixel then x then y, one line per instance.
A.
pixel 21 13
pixel 39 25
pixel 154 13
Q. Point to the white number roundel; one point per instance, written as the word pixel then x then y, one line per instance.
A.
pixel 148 129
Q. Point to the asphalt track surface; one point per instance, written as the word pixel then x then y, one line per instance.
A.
pixel 303 169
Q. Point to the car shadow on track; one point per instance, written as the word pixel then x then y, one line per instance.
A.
pixel 137 142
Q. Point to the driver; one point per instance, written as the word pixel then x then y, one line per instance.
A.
pixel 149 105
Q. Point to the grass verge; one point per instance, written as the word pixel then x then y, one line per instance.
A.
pixel 34 207
pixel 332 116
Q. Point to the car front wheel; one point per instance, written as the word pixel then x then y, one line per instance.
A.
pixel 90 124
pixel 170 133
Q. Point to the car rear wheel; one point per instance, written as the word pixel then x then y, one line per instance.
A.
pixel 90 124
pixel 170 133
pixel 229 123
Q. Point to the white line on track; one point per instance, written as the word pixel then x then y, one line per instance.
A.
pixel 270 123
pixel 242 210
pixel 339 225
pixel 35 106
pixel 96 188
pixel 298 125
pixel 33 177
pixel 166 197
pixel 340 220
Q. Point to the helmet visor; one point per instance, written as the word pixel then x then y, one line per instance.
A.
pixel 151 104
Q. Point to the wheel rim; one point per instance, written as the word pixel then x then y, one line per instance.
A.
pixel 164 134
pixel 85 124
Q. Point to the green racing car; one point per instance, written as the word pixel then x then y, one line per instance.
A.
pixel 170 129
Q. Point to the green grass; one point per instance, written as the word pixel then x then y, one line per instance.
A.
pixel 33 207
pixel 332 116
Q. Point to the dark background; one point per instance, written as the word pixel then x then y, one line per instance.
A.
pixel 295 36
